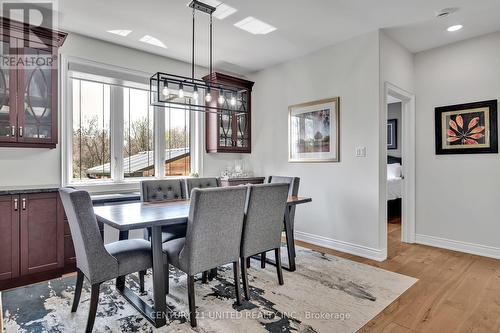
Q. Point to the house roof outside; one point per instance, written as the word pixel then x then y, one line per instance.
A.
pixel 139 162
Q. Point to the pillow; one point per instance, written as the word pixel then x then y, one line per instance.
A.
pixel 393 171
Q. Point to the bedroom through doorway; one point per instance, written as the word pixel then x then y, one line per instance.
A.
pixel 400 159
pixel 394 174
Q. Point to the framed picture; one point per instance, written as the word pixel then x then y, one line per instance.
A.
pixel 313 131
pixel 392 134
pixel 467 128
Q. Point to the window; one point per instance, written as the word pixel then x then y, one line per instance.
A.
pixel 116 134
pixel 91 130
pixel 138 145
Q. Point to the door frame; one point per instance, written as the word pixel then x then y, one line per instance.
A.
pixel 408 158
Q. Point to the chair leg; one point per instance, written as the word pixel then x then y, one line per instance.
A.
pixel 192 305
pixel 78 290
pixel 236 270
pixel 244 277
pixel 212 274
pixel 204 277
pixel 94 301
pixel 248 262
pixel 277 253
pixel 263 260
pixel 141 281
pixel 167 277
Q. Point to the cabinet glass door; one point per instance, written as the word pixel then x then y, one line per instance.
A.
pixel 8 119
pixel 242 121
pixel 37 82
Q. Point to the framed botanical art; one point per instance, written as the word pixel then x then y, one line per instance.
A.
pixel 313 131
pixel 467 128
pixel 392 134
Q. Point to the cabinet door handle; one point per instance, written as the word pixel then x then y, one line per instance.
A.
pixel 13 131
pixel 20 131
pixel 16 204
pixel 23 205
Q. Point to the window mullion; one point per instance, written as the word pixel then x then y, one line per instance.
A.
pixel 159 141
pixel 117 137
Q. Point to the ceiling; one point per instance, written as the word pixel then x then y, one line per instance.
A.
pixel 303 26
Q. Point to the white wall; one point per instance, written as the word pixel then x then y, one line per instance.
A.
pixel 457 195
pixel 394 112
pixel 42 167
pixel 344 210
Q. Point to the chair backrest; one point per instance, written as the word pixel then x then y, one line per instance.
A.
pixel 91 255
pixel 214 228
pixel 266 204
pixel 200 183
pixel 162 190
pixel 293 182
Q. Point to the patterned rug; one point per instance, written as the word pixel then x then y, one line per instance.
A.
pixel 325 294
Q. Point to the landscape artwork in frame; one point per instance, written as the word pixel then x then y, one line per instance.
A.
pixel 467 128
pixel 313 131
pixel 392 134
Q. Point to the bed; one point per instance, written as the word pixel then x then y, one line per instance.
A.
pixel 394 186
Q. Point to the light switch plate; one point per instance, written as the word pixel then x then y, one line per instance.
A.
pixel 360 151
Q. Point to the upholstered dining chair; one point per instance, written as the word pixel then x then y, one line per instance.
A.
pixel 293 190
pixel 200 183
pixel 207 182
pixel 213 237
pixel 94 260
pixel 266 204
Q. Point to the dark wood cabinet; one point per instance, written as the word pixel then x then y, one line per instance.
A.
pixel 41 233
pixel 229 132
pixel 9 237
pixel 28 85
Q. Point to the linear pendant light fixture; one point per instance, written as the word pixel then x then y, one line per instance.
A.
pixel 184 92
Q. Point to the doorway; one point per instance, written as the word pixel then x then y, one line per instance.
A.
pixel 400 154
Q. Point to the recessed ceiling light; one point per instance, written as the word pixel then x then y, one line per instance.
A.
pixel 455 28
pixel 120 32
pixel 222 10
pixel 153 41
pixel 254 26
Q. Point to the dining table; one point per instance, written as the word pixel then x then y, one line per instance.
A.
pixel 155 215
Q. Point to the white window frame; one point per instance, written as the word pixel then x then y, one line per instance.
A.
pixel 117 181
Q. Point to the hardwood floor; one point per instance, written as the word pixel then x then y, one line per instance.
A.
pixel 456 292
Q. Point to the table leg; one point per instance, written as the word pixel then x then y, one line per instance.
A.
pixel 158 277
pixel 290 239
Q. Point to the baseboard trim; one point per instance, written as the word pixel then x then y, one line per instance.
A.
pixel 450 244
pixel 358 250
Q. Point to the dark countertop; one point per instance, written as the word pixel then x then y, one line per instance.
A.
pixel 27 190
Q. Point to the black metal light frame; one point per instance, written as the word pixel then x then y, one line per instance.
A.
pixel 235 98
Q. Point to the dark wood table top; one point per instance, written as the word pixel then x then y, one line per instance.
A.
pixel 139 215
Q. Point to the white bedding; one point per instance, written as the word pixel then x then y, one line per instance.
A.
pixel 394 188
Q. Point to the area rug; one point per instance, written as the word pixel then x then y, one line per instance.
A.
pixel 325 294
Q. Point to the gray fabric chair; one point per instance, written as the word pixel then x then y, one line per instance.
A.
pixel 213 236
pixel 161 190
pixel 293 190
pixel 207 182
pixel 94 260
pixel 200 183
pixel 266 204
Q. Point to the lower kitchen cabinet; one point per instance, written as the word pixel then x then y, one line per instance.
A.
pixel 9 238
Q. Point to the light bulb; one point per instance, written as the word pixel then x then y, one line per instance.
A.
pixel 195 93
pixel 181 91
pixel 221 99
pixel 233 100
pixel 208 97
pixel 165 91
